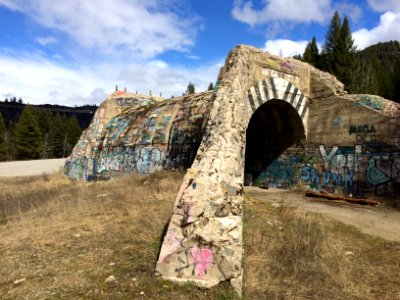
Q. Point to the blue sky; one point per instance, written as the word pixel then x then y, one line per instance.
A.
pixel 74 52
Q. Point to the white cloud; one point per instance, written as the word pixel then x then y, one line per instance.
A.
pixel 351 10
pixel 285 47
pixel 37 80
pixel 388 29
pixel 384 5
pixel 143 27
pixel 46 40
pixel 299 11
pixel 168 80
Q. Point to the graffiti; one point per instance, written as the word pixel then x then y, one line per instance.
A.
pixel 143 160
pixel 202 258
pixel 364 133
pixel 329 157
pixel 358 170
pixel 337 122
pixel 362 129
pixel 365 100
pixel 134 101
pixel 287 67
pixel 280 173
pixel 375 176
pixel 312 175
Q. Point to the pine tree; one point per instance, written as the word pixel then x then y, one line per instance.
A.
pixel 3 139
pixel 190 88
pixel 333 34
pixel 329 50
pixel 211 86
pixel 59 135
pixel 311 53
pixel 45 119
pixel 346 60
pixel 339 56
pixel 74 133
pixel 10 138
pixel 27 136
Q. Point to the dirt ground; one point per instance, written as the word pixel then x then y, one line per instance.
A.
pixel 30 167
pixel 379 221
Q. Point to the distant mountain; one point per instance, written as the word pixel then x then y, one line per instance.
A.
pixel 84 114
pixel 380 70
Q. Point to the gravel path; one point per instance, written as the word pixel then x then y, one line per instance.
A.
pixel 30 167
pixel 379 221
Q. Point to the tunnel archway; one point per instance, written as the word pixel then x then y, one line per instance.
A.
pixel 274 127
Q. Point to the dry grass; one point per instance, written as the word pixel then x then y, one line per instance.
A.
pixel 291 254
pixel 65 238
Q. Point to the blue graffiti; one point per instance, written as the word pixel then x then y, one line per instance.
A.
pixel 312 176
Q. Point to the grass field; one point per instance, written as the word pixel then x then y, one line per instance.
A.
pixel 62 240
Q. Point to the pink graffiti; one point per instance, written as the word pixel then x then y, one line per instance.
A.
pixel 203 258
pixel 171 244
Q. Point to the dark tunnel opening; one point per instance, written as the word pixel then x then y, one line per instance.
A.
pixel 274 127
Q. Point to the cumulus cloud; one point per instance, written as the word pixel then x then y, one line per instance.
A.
pixel 387 29
pixel 143 27
pixel 40 81
pixel 166 79
pixel 284 47
pixel 37 80
pixel 385 5
pixel 299 11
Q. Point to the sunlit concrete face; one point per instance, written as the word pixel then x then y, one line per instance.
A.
pixel 278 119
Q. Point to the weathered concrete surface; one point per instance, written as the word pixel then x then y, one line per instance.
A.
pixel 272 121
pixel 31 167
pixel 140 138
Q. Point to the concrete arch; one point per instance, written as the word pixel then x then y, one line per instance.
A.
pixel 277 122
pixel 280 89
pixel 203 242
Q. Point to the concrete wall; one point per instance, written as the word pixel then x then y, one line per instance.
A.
pixel 298 125
pixel 141 138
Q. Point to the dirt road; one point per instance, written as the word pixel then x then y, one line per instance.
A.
pixel 30 167
pixel 378 221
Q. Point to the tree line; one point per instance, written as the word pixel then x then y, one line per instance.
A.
pixel 374 70
pixel 38 134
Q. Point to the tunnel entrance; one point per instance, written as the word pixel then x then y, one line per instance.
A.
pixel 274 127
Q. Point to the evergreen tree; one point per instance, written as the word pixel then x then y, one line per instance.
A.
pixel 74 133
pixel 298 57
pixel 28 136
pixel 59 135
pixel 311 53
pixel 346 61
pixel 190 88
pixel 339 56
pixel 329 50
pixel 333 34
pixel 11 149
pixel 45 119
pixel 396 82
pixel 211 86
pixel 3 139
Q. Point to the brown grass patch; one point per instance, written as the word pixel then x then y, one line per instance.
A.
pixel 65 238
pixel 291 254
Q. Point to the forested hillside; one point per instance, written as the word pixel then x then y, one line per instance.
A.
pixel 374 70
pixel 41 131
pixel 380 70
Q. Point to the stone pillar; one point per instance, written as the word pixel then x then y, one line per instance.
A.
pixel 203 243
